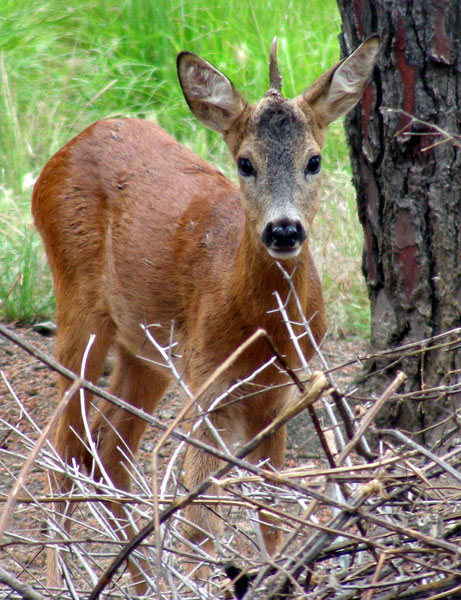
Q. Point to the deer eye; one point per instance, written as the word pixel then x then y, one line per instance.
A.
pixel 245 167
pixel 313 166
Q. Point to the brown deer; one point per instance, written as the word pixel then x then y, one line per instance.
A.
pixel 138 229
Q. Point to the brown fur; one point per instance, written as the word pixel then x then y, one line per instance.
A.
pixel 138 229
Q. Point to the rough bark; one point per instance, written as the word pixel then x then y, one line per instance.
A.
pixel 408 185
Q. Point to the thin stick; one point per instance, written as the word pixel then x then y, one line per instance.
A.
pixel 434 458
pixel 9 506
pixel 25 591
pixel 370 416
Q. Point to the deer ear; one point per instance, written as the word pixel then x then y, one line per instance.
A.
pixel 210 94
pixel 339 89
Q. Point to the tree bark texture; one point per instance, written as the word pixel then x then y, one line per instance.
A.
pixel 408 181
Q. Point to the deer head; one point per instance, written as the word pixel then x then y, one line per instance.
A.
pixel 277 143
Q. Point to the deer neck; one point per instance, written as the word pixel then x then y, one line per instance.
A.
pixel 256 277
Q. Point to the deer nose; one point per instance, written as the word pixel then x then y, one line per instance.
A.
pixel 284 235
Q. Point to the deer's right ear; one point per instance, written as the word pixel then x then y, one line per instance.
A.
pixel 210 94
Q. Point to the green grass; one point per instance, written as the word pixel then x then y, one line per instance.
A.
pixel 66 64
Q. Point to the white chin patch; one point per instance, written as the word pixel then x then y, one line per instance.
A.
pixel 283 255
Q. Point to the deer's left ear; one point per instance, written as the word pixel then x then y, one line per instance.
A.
pixel 339 89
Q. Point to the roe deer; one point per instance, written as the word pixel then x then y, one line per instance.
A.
pixel 138 229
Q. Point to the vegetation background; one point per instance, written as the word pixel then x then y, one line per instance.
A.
pixel 66 64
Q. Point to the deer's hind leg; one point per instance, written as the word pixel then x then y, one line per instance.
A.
pixel 117 435
pixel 115 431
pixel 73 336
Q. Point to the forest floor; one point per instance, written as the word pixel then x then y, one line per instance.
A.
pixel 29 386
pixel 412 511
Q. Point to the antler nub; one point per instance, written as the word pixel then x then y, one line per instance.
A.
pixel 275 79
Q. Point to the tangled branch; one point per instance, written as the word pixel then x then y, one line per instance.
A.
pixel 373 525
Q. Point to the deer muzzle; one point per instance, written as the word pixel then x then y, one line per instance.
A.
pixel 284 238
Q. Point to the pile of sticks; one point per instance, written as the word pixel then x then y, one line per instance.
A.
pixel 374 521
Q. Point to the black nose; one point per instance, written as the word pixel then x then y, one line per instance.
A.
pixel 284 235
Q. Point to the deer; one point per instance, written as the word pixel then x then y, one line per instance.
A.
pixel 139 229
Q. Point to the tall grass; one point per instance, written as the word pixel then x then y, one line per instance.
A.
pixel 66 64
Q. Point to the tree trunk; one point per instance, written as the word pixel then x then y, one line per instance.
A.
pixel 408 181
